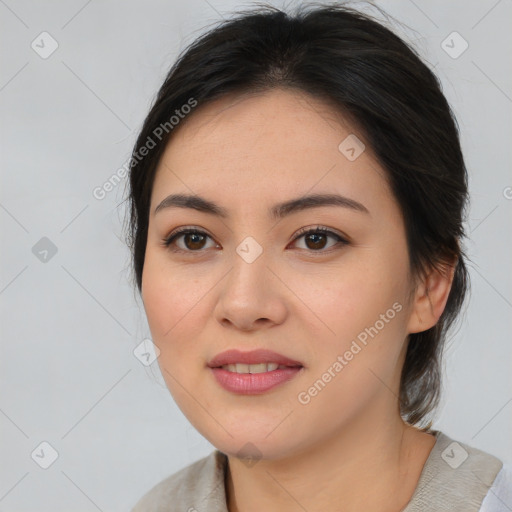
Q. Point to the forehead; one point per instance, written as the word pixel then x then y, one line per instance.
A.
pixel 283 119
pixel 280 144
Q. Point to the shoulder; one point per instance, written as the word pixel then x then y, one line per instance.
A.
pixel 456 477
pixel 499 497
pixel 196 486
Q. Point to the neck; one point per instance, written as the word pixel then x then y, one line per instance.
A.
pixel 371 465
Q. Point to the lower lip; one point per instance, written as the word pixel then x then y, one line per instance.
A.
pixel 253 383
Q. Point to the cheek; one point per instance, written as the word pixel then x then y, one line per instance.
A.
pixel 351 298
pixel 362 316
pixel 170 293
pixel 358 361
pixel 174 302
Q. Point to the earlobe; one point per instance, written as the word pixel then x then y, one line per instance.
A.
pixel 430 298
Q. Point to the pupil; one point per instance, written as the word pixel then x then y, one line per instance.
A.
pixel 310 237
pixel 315 238
pixel 195 238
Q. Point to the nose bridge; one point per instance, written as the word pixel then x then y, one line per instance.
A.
pixel 248 293
pixel 249 265
pixel 250 250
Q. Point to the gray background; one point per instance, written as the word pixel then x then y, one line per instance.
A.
pixel 70 324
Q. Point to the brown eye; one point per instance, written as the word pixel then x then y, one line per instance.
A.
pixel 317 238
pixel 192 240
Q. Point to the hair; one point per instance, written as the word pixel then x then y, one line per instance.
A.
pixel 370 75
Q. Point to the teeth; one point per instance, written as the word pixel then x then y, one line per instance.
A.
pixel 252 368
pixel 242 368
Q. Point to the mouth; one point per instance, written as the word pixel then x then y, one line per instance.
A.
pixel 253 372
pixel 231 359
pixel 254 368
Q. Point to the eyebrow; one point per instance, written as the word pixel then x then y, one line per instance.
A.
pixel 278 211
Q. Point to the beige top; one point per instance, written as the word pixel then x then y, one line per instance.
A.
pixel 456 477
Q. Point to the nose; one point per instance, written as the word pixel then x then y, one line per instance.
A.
pixel 251 295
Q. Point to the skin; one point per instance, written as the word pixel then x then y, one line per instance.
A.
pixel 306 301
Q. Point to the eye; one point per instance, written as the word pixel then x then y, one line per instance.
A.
pixel 193 240
pixel 315 238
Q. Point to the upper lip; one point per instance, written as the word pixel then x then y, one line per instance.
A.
pixel 251 357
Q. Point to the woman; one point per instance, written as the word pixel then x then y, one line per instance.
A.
pixel 297 203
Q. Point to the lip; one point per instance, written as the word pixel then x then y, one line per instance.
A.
pixel 253 383
pixel 251 357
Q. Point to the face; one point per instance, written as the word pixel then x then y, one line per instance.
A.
pixel 334 300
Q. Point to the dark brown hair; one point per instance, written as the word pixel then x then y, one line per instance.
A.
pixel 353 62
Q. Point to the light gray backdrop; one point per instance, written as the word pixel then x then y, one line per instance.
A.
pixel 77 79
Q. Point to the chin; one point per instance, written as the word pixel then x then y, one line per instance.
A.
pixel 253 443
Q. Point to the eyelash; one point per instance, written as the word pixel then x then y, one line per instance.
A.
pixel 169 240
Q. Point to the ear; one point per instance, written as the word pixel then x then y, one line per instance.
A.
pixel 430 298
